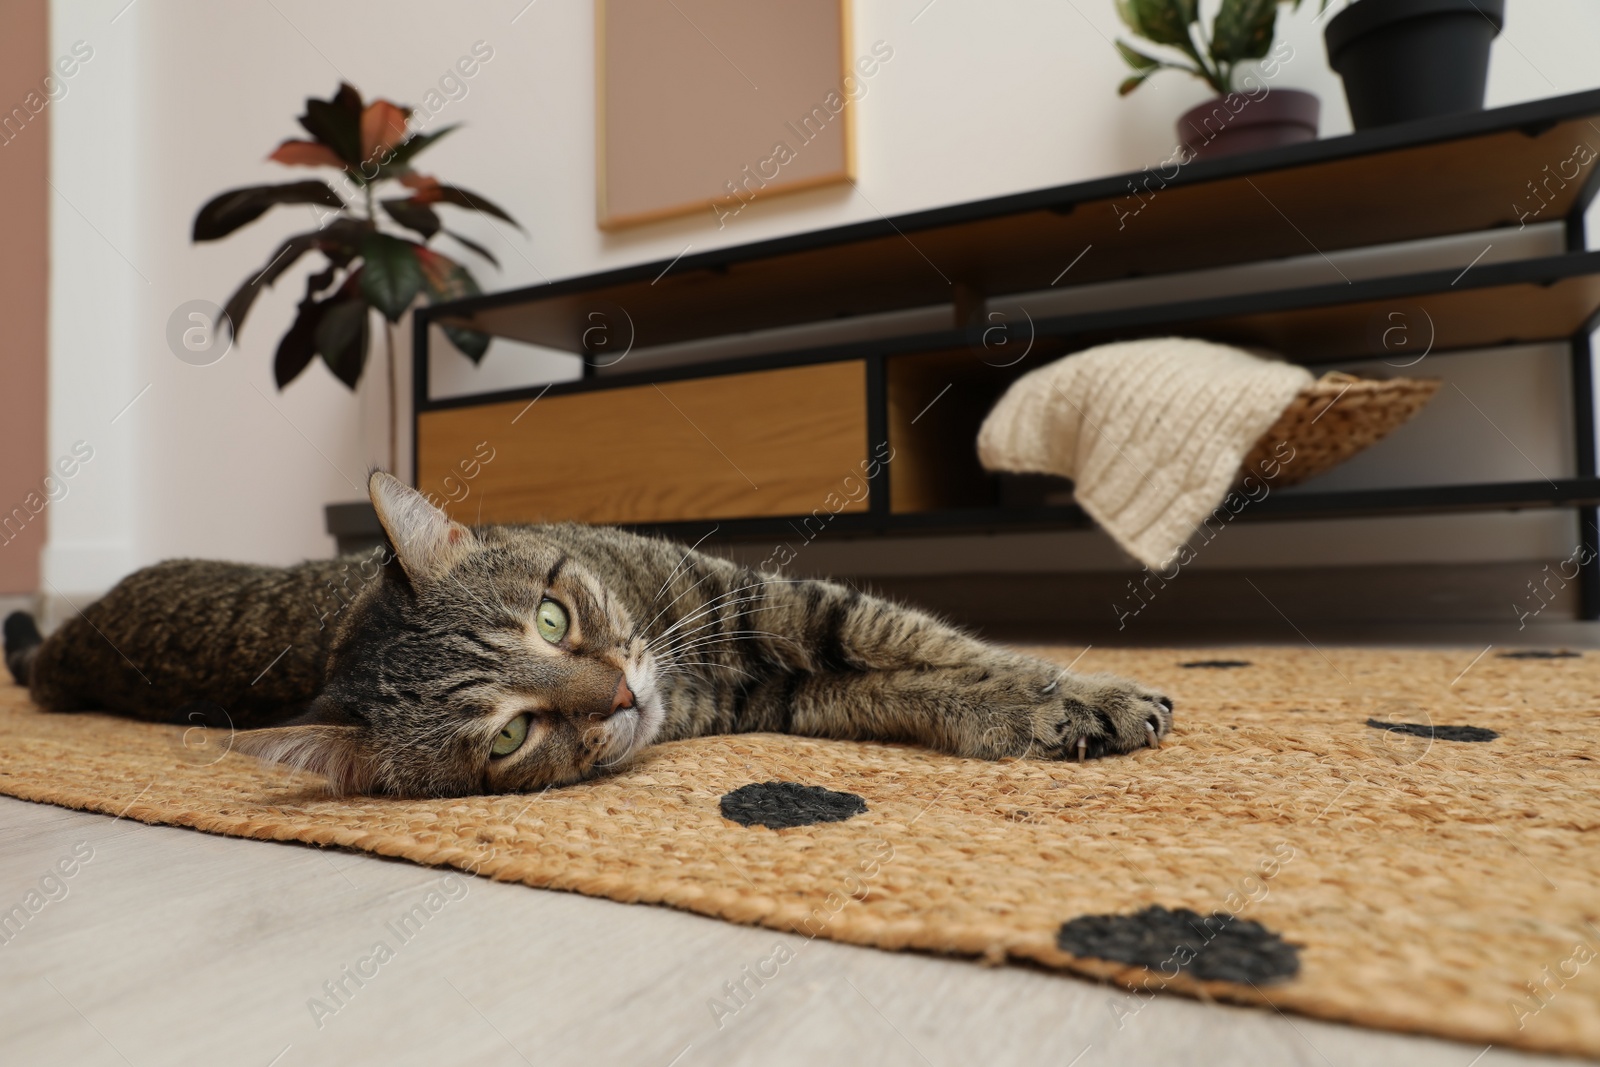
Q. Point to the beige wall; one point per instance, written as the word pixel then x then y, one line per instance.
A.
pixel 24 155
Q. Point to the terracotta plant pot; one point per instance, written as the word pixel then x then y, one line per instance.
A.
pixel 1239 122
pixel 1403 60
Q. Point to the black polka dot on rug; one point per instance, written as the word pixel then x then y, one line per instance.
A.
pixel 779 805
pixel 1216 664
pixel 1218 946
pixel 1443 733
pixel 1540 653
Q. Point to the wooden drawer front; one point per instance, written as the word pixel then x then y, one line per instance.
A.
pixel 765 443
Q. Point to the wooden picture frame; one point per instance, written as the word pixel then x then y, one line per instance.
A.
pixel 710 105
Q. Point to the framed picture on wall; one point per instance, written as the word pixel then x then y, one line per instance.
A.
pixel 710 105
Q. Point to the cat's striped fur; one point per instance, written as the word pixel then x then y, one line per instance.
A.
pixel 440 653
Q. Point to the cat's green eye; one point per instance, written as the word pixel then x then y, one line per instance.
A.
pixel 551 619
pixel 510 737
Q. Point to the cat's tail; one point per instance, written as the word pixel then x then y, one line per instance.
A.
pixel 22 641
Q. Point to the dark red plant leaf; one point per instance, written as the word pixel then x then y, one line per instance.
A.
pixel 336 123
pixel 413 215
pixel 474 246
pixel 448 280
pixel 454 194
pixel 425 188
pixel 340 241
pixel 305 154
pixel 228 211
pixel 299 344
pixel 317 283
pixel 383 126
pixel 407 150
pixel 244 297
pixel 444 278
pixel 349 98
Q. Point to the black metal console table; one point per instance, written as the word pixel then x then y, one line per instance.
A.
pixel 623 440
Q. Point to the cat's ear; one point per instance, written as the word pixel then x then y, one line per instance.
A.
pixel 335 752
pixel 424 539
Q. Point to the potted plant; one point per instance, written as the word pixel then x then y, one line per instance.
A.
pixel 1233 58
pixel 1413 59
pixel 371 261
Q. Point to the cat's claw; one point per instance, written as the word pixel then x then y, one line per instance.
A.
pixel 1152 738
pixel 1083 747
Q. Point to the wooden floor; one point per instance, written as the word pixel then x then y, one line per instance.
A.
pixel 175 947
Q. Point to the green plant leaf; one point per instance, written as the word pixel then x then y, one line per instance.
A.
pixel 228 211
pixel 337 123
pixel 473 344
pixel 341 337
pixel 411 214
pixel 1161 21
pixel 1243 30
pixel 1136 59
pixel 472 245
pixel 390 276
pixel 454 194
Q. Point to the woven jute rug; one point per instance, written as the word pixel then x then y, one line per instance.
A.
pixel 1400 839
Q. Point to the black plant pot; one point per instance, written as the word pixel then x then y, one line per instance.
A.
pixel 1413 59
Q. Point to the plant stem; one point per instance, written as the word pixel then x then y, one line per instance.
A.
pixel 1212 75
pixel 394 405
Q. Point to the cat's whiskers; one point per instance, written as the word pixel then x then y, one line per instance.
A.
pixel 709 643
pixel 719 601
pixel 668 606
pixel 682 561
pixel 668 642
pixel 709 663
pixel 699 634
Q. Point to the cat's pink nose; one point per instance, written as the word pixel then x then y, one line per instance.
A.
pixel 623 699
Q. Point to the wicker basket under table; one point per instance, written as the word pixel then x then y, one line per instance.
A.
pixel 1332 419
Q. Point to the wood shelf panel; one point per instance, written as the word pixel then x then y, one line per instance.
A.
pixel 1523 302
pixel 773 442
pixel 936 403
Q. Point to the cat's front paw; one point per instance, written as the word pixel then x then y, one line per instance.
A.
pixel 1088 715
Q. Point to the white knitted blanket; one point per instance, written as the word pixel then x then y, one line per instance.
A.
pixel 1151 432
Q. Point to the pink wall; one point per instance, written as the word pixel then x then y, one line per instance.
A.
pixel 24 164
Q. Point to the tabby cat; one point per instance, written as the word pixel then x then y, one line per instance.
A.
pixel 505 659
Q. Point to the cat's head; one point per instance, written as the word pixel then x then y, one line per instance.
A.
pixel 480 661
